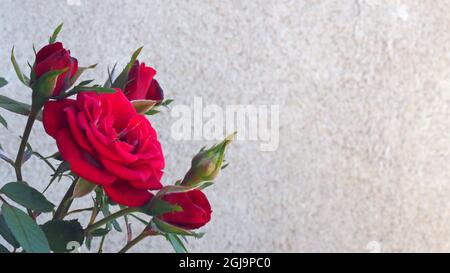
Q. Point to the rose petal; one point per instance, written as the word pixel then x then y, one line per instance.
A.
pixel 138 172
pixel 79 162
pixel 121 192
pixel 140 78
pixel 155 91
pixel 47 51
pixel 75 129
pixel 200 200
pixel 194 215
pixel 53 116
pixel 153 183
pixel 122 109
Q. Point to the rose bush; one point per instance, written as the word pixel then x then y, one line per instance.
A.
pixel 108 150
pixel 108 143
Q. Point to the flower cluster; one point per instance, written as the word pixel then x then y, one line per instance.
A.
pixel 108 148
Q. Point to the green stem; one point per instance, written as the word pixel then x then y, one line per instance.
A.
pixel 100 248
pixel 135 241
pixel 23 144
pixel 79 210
pixel 66 202
pixel 110 218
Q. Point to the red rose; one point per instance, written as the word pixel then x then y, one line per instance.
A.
pixel 55 57
pixel 108 143
pixel 196 209
pixel 141 84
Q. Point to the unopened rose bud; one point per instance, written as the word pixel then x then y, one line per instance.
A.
pixel 54 57
pixel 196 210
pixel 141 84
pixel 206 164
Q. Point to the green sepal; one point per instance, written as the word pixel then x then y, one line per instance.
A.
pixel 80 71
pixel 3 82
pixel 44 87
pixel 27 196
pixel 122 79
pixel 166 228
pixel 157 207
pixel 57 30
pixel 23 79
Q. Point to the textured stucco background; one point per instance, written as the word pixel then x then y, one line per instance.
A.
pixel 364 93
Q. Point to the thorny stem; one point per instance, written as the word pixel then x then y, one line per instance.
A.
pixel 23 144
pixel 93 215
pixel 100 248
pixel 110 218
pixel 79 210
pixel 66 202
pixel 146 233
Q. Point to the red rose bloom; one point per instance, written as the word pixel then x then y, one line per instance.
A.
pixel 196 209
pixel 55 57
pixel 108 143
pixel 141 84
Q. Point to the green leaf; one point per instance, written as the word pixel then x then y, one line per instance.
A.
pixel 152 112
pixel 143 221
pixel 3 249
pixel 159 207
pixel 3 82
pixel 25 230
pixel 14 106
pixel 27 196
pixel 3 122
pixel 78 89
pixel 7 234
pixel 166 102
pixel 114 223
pixel 19 73
pixel 55 34
pixel 171 229
pixel 84 83
pixel 122 79
pixel 62 168
pixel 100 232
pixel 109 81
pixel 98 89
pixel 80 71
pixel 59 233
pixel 43 158
pixel 176 243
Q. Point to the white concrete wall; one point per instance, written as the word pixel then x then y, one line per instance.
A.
pixel 364 93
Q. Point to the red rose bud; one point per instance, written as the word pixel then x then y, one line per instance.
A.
pixel 206 164
pixel 54 57
pixel 141 84
pixel 196 209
